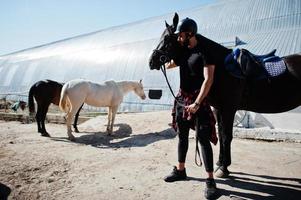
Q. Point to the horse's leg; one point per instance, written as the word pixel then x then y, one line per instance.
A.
pixel 225 131
pixel 75 120
pixel 39 119
pixel 44 109
pixel 114 111
pixel 69 117
pixel 109 131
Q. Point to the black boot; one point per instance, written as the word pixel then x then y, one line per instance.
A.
pixel 210 189
pixel 176 175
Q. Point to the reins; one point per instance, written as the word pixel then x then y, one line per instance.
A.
pixel 197 151
pixel 163 69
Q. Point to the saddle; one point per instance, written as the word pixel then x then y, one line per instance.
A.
pixel 243 64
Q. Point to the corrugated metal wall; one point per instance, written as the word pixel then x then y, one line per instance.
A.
pixel 121 53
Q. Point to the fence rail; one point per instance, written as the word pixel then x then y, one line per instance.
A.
pixel 23 96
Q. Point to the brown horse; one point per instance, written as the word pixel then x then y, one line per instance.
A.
pixel 46 92
pixel 229 94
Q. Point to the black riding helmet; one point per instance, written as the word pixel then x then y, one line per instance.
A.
pixel 188 25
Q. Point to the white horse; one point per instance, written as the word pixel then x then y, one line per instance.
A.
pixel 109 94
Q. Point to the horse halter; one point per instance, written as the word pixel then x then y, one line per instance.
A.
pixel 163 51
pixel 164 57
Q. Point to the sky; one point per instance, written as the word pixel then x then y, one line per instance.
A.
pixel 28 23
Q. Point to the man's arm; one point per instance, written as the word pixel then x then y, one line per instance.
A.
pixel 209 76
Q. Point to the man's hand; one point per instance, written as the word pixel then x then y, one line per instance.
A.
pixel 170 64
pixel 192 108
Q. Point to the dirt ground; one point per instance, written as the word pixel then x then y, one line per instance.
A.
pixel 132 162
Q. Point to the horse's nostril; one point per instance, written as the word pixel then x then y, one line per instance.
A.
pixel 151 63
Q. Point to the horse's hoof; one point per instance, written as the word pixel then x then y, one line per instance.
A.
pixel 109 132
pixel 76 130
pixel 216 168
pixel 222 173
pixel 72 139
pixel 45 135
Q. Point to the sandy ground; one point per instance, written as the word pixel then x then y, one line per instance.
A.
pixel 132 162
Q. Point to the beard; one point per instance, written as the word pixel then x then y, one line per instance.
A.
pixel 186 43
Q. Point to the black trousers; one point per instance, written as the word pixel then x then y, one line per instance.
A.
pixel 204 133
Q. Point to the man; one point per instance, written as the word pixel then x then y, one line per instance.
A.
pixel 196 77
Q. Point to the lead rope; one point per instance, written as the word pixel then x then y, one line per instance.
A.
pixel 197 151
pixel 163 69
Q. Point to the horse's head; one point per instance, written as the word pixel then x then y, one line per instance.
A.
pixel 167 47
pixel 139 90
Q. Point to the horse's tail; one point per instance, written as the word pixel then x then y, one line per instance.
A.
pixel 31 106
pixel 64 105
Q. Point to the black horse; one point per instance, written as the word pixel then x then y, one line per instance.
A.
pixel 229 94
pixel 46 92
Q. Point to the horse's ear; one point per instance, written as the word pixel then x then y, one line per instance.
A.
pixel 140 81
pixel 166 24
pixel 175 22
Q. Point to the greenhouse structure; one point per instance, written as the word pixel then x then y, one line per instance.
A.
pixel 122 52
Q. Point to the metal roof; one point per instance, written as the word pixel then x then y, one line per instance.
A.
pixel 122 52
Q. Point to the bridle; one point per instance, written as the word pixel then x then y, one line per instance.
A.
pixel 164 57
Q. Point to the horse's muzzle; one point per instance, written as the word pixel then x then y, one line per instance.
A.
pixel 153 66
pixel 157 59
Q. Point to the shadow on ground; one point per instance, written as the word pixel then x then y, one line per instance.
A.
pixel 4 191
pixel 269 187
pixel 121 138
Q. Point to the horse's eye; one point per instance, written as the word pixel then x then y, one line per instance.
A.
pixel 166 38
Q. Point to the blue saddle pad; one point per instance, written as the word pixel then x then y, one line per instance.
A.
pixel 275 68
pixel 272 65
